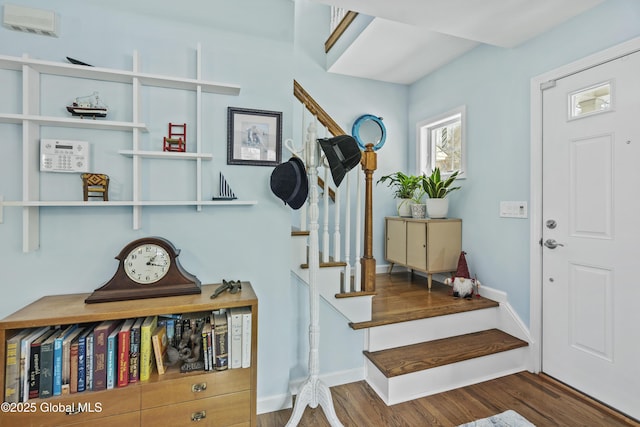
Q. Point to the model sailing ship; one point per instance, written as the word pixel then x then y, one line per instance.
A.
pixel 89 105
pixel 224 192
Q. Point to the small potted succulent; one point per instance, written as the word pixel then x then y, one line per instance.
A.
pixel 405 188
pixel 436 188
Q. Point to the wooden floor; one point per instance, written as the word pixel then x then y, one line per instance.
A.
pixel 403 296
pixel 539 399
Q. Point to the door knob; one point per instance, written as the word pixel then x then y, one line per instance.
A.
pixel 552 244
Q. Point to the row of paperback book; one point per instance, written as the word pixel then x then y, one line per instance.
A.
pixel 63 359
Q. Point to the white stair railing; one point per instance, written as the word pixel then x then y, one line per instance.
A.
pixel 337 14
pixel 331 213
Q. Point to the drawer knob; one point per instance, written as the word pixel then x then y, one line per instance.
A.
pixel 197 416
pixel 197 388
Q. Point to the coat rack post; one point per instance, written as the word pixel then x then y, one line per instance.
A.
pixel 313 390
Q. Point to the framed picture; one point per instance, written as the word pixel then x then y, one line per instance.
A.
pixel 254 137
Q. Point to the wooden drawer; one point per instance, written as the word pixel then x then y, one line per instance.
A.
pixel 131 419
pixel 88 408
pixel 226 410
pixel 183 388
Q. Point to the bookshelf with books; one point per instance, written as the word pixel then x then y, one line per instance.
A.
pixel 189 386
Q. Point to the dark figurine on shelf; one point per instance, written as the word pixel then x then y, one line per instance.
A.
pixel 189 349
pixel 89 105
pixel 224 192
pixel 176 140
pixel 233 286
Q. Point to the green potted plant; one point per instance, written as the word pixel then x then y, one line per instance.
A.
pixel 405 187
pixel 436 188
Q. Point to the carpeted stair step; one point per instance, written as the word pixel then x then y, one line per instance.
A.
pixel 418 357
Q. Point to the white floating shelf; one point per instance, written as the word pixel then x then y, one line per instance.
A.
pixel 121 76
pixel 172 155
pixel 79 203
pixel 73 122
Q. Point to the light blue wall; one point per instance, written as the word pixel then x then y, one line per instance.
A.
pixel 78 245
pixel 255 50
pixel 494 84
pixel 263 51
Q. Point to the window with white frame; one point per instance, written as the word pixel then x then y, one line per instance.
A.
pixel 441 143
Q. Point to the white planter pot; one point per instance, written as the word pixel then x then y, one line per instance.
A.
pixel 418 211
pixel 403 207
pixel 437 208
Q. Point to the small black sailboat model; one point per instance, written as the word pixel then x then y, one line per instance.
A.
pixel 224 191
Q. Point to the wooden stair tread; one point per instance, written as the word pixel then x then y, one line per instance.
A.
pixel 402 297
pixel 418 357
pixel 295 231
pixel 327 264
pixel 354 294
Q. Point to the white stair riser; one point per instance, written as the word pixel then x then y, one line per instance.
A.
pixel 443 378
pixel 432 328
pixel 298 250
pixel 354 309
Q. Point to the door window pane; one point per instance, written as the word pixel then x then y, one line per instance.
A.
pixel 592 100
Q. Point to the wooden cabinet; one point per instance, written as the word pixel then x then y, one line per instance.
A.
pixel 220 398
pixel 427 245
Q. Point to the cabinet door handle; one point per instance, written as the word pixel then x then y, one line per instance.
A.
pixel 198 416
pixel 197 388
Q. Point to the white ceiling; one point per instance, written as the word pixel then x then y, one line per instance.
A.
pixel 416 37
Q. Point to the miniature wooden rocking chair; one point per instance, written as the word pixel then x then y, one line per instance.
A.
pixel 95 185
pixel 176 139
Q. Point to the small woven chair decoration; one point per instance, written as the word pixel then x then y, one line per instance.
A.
pixel 95 185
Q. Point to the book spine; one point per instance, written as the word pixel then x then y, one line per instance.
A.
pixel 46 371
pixel 100 360
pixel 246 339
pixel 205 347
pixel 211 350
pixel 157 351
pixel 171 331
pixel 221 343
pixel 34 373
pixel 82 363
pixel 134 355
pixel 111 361
pixel 12 372
pixel 146 361
pixel 73 365
pixel 57 366
pixel 124 345
pixel 89 360
pixel 235 340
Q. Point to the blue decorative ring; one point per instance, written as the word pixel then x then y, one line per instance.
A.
pixel 355 131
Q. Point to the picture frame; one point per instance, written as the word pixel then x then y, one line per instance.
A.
pixel 254 137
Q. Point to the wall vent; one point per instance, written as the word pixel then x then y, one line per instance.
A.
pixel 36 21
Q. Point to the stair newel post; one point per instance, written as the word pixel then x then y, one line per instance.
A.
pixel 368 262
pixel 313 390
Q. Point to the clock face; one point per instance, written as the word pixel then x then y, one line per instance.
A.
pixel 147 263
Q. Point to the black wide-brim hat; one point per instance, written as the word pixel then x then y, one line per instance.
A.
pixel 343 154
pixel 289 182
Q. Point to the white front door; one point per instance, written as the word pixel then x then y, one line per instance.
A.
pixel 591 232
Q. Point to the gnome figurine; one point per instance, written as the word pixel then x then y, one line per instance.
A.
pixel 463 285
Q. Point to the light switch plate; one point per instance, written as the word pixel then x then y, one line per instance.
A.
pixel 513 209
